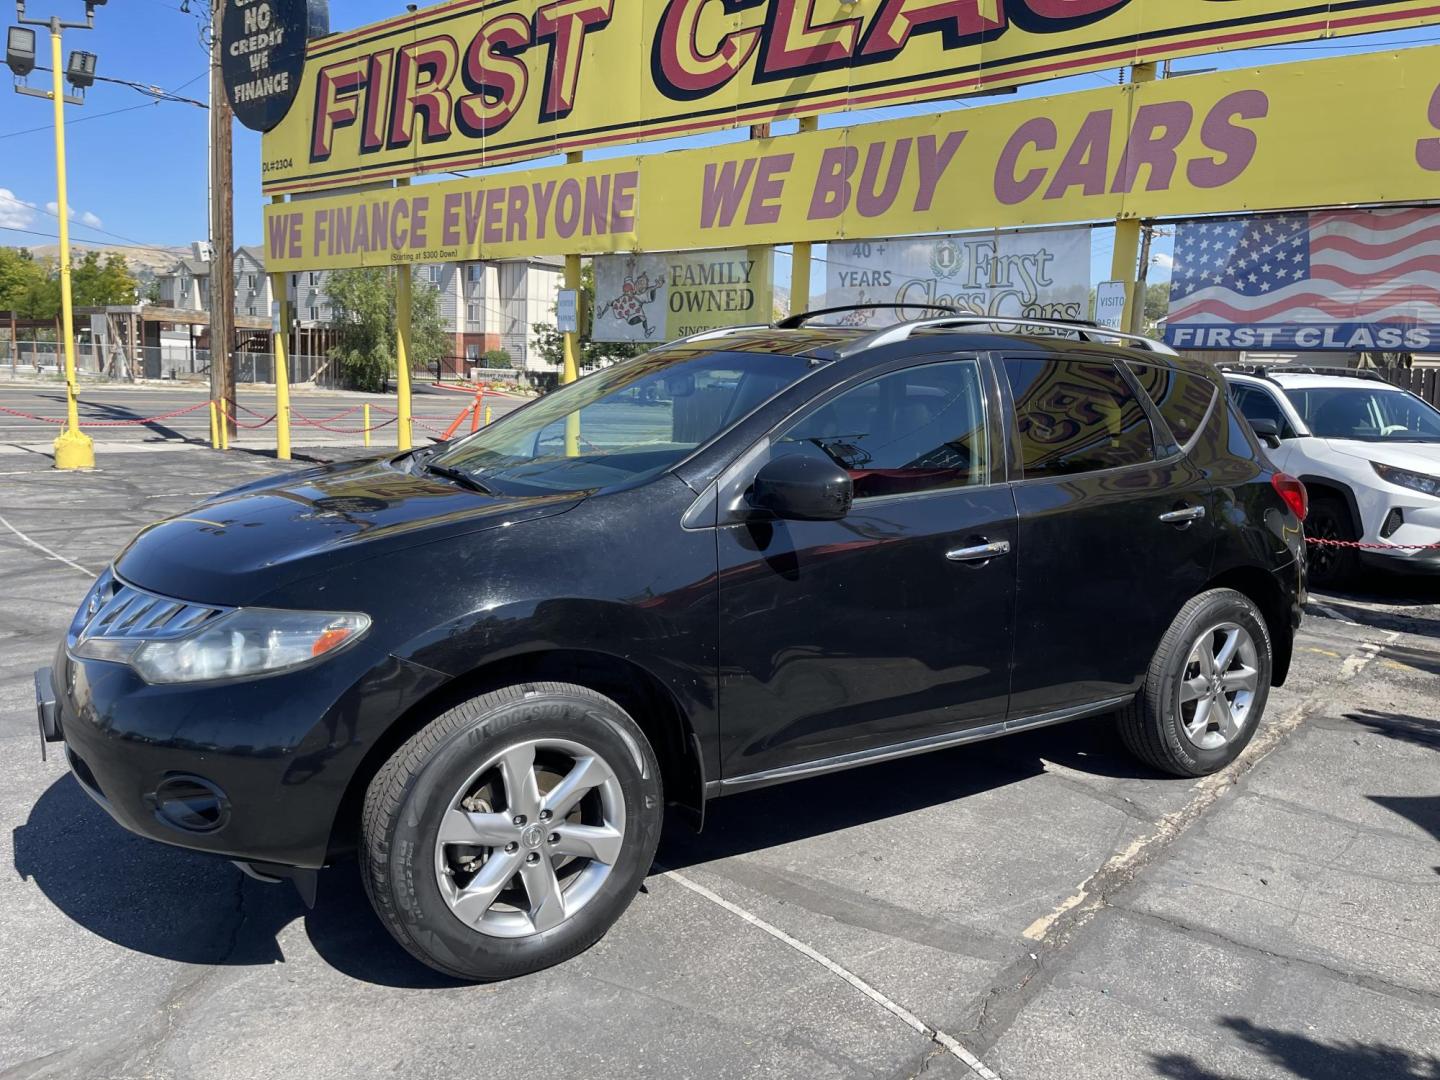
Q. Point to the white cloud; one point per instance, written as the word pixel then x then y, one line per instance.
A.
pixel 84 217
pixel 1164 260
pixel 15 213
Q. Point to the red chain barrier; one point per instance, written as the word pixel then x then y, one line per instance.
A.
pixel 251 427
pixel 351 431
pixel 84 423
pixel 1371 547
pixel 325 420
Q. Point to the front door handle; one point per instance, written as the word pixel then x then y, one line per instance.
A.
pixel 1183 516
pixel 980 552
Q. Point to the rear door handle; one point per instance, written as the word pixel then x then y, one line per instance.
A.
pixel 1183 517
pixel 979 553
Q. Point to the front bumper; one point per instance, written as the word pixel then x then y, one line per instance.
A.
pixel 254 770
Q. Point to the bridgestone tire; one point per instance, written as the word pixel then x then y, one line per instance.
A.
pixel 1152 727
pixel 412 791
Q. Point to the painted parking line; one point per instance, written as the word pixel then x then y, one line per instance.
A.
pixel 948 1042
pixel 49 554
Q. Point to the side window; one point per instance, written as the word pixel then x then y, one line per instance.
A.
pixel 920 429
pixel 1256 404
pixel 1183 398
pixel 1077 416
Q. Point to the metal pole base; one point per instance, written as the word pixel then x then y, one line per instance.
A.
pixel 74 450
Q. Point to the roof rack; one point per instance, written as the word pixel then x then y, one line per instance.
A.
pixel 1269 371
pixel 797 321
pixel 1086 331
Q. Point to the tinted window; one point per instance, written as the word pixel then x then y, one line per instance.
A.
pixel 1256 404
pixel 914 430
pixel 1077 416
pixel 1183 398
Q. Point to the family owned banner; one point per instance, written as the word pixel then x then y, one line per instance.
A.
pixel 661 297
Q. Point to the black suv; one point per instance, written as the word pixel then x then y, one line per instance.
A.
pixel 746 557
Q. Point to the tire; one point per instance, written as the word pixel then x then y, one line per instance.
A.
pixel 1171 724
pixel 479 905
pixel 1329 519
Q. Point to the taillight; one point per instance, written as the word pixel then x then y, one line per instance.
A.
pixel 1293 492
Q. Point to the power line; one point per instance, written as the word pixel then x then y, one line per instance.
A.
pixel 56 236
pixel 80 120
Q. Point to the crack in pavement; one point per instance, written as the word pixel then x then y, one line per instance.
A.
pixel 996 1010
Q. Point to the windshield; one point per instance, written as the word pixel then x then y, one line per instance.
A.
pixel 623 424
pixel 1381 414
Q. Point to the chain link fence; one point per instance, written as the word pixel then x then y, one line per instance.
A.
pixel 164 362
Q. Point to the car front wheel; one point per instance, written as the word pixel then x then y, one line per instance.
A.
pixel 512 831
pixel 1206 688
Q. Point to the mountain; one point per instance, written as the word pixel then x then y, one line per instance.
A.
pixel 144 262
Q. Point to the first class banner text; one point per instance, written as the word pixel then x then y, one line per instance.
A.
pixel 1362 128
pixel 473 83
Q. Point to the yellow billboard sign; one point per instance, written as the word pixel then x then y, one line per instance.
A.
pixel 473 83
pixel 1362 128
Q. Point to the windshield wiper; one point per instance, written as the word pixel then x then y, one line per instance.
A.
pixel 459 476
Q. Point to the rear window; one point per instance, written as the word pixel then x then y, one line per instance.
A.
pixel 1077 416
pixel 1183 398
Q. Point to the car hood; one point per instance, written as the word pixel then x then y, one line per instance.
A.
pixel 1416 456
pixel 246 542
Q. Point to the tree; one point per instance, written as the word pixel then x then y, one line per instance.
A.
pixel 549 342
pixel 364 304
pixel 97 283
pixel 1157 304
pixel 20 274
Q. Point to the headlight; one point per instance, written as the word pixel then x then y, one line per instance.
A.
pixel 1430 485
pixel 248 641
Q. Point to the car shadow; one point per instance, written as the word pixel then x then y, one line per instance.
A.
pixel 199 909
pixel 1309 1058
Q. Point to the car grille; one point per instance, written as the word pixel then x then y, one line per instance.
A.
pixel 115 609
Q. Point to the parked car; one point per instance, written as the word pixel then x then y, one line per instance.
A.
pixel 487 667
pixel 1369 454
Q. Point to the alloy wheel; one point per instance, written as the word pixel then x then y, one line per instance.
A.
pixel 1217 688
pixel 529 839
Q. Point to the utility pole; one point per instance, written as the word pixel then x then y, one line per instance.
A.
pixel 222 238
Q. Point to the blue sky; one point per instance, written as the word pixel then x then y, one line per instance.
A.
pixel 138 175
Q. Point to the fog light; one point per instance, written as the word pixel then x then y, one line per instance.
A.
pixel 190 803
pixel 1393 521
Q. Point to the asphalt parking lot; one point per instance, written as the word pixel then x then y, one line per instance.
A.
pixel 169 416
pixel 1036 908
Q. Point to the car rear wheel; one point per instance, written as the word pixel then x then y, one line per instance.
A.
pixel 1329 520
pixel 1206 688
pixel 512 831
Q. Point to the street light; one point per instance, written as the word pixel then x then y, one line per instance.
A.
pixel 73 448
pixel 80 71
pixel 20 51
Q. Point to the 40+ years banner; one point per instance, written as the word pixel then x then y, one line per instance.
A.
pixel 1041 274
pixel 473 83
pixel 1351 280
pixel 1355 129
pixel 661 297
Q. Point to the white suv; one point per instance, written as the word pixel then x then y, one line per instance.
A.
pixel 1368 452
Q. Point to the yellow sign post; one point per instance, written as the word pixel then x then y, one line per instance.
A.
pixel 1219 143
pixel 73 448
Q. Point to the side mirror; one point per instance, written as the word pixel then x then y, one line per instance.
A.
pixel 803 489
pixel 1268 431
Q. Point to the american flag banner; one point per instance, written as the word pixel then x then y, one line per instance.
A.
pixel 1355 280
